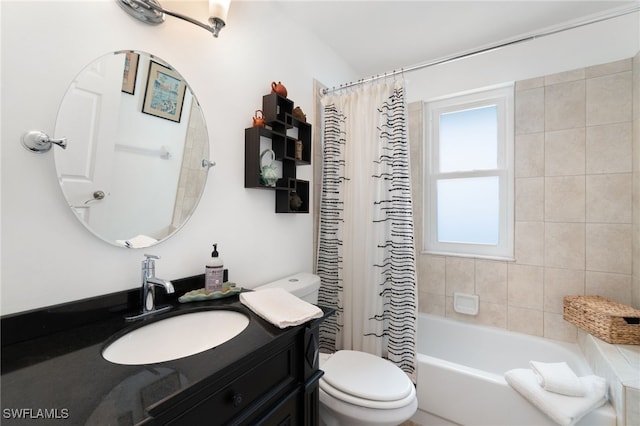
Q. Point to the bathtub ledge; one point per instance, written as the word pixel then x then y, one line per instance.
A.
pixel 619 364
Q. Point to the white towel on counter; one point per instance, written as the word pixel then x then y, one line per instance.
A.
pixel 280 307
pixel 557 377
pixel 564 410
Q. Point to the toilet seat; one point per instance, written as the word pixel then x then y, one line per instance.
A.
pixel 349 378
pixel 366 403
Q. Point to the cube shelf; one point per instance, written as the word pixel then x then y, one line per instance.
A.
pixel 290 140
pixel 286 201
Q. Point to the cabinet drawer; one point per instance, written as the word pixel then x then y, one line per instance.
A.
pixel 262 384
pixel 285 413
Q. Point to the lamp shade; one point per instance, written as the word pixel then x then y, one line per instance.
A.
pixel 219 9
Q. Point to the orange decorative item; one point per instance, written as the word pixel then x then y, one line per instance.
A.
pixel 279 89
pixel 258 119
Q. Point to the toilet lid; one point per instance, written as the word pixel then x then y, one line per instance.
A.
pixel 362 402
pixel 366 376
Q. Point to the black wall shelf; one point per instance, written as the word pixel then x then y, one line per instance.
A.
pixel 284 134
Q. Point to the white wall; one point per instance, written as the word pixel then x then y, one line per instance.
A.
pixel 598 43
pixel 47 256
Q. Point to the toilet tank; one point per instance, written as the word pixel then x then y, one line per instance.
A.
pixel 303 285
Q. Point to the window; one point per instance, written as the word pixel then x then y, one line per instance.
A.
pixel 469 175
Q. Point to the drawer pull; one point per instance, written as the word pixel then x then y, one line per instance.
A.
pixel 237 399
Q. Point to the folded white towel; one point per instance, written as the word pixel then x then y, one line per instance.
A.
pixel 557 377
pixel 564 410
pixel 280 307
pixel 139 241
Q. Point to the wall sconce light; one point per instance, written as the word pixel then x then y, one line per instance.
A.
pixel 150 12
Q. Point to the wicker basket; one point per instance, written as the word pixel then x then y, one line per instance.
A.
pixel 607 320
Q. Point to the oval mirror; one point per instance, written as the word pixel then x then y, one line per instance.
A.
pixel 137 149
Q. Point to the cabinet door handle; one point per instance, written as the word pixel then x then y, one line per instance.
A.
pixel 237 399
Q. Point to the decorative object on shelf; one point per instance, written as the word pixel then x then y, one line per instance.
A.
pixel 295 202
pixel 258 119
pixel 279 89
pixel 299 150
pixel 268 174
pixel 299 115
pixel 151 12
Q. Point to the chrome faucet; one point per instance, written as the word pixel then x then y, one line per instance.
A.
pixel 149 283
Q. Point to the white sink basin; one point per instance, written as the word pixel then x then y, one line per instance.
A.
pixel 176 337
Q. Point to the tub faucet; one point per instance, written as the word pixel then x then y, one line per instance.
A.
pixel 149 283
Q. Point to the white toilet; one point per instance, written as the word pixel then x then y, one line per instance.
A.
pixel 357 388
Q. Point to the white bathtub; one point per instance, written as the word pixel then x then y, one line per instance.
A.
pixel 461 375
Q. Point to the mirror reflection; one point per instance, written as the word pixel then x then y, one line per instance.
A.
pixel 133 169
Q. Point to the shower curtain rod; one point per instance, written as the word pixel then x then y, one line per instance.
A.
pixel 490 48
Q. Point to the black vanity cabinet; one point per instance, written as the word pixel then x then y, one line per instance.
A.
pixel 52 365
pixel 277 385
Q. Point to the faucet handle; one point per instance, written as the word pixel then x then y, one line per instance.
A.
pixel 148 263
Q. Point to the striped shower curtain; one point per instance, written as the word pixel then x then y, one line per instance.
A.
pixel 366 256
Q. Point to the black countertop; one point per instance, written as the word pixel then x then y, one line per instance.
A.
pixel 53 370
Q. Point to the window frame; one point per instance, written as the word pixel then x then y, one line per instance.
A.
pixel 503 97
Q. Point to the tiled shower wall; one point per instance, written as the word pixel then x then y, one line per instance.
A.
pixel 192 174
pixel 576 231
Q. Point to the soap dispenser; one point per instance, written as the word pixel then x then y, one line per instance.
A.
pixel 214 272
